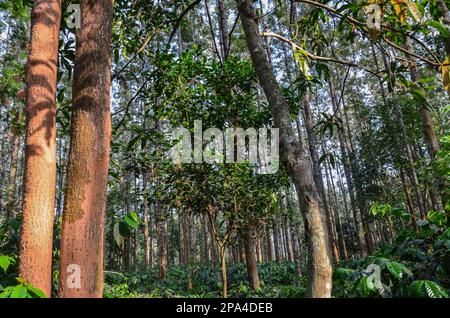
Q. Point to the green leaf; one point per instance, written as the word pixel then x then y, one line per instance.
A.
pixel 132 220
pixel 124 229
pixel 427 289
pixel 7 292
pixel 20 291
pixel 397 269
pixel 366 286
pixel 35 292
pixel 5 261
pixel 445 33
pixel 133 142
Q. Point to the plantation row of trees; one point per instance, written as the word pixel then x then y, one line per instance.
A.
pixel 358 91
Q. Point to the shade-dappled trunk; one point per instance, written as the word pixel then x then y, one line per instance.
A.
pixel 298 165
pixel 87 171
pixel 39 184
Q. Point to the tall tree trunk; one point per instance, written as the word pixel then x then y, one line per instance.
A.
pixel 39 183
pixel 268 244
pixel 312 141
pixel 223 271
pixel 252 267
pixel 334 208
pixel 298 166
pixel 276 239
pixel 161 228
pixel 360 237
pixel 205 239
pixel 146 221
pixel 10 204
pixel 87 171
pixel 223 27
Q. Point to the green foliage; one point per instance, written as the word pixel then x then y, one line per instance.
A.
pixel 426 289
pixel 5 261
pixel 276 281
pixel 12 286
pixel 415 264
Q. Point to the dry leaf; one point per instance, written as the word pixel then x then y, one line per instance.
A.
pixel 446 74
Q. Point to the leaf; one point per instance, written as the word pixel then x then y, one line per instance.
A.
pixel 5 261
pixel 323 157
pixel 446 74
pixel 20 291
pixel 366 286
pixel 301 57
pixel 441 28
pixel 132 220
pixel 400 8
pixel 35 292
pixel 124 229
pixel 117 237
pixel 133 142
pixel 343 273
pixel 7 292
pixel 414 11
pixel 419 95
pixel 427 289
pixel 396 269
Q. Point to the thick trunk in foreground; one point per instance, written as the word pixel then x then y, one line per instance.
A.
pixel 298 166
pixel 39 185
pixel 87 171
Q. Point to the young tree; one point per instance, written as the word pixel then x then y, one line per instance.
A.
pixel 87 171
pixel 39 181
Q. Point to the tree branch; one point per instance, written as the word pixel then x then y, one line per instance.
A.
pixel 316 57
pixel 180 18
pixel 363 25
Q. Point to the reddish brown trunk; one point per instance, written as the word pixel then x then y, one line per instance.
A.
pixel 87 171
pixel 39 183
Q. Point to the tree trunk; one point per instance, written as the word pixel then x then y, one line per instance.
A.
pixel 276 239
pixel 360 237
pixel 298 166
pixel 146 221
pixel 252 267
pixel 39 185
pixel 268 244
pixel 312 141
pixel 87 171
pixel 10 204
pixel 162 242
pixel 223 27
pixel 223 271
